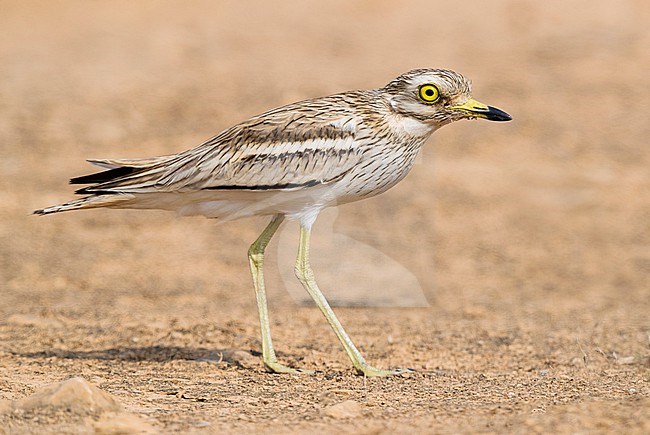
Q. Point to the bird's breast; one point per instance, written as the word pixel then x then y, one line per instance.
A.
pixel 383 165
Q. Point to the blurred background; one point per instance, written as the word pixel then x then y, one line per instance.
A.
pixel 521 248
pixel 543 219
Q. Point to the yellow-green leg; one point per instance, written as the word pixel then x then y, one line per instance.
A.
pixel 306 277
pixel 256 260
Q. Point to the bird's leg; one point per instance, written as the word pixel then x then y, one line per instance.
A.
pixel 256 260
pixel 306 277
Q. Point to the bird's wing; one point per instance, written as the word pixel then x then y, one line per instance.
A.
pixel 277 150
pixel 131 163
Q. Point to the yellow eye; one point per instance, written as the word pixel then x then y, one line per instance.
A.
pixel 429 93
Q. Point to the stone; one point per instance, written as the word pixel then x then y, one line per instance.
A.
pixel 76 395
pixel 346 409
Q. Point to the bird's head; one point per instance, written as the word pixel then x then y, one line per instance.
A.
pixel 437 97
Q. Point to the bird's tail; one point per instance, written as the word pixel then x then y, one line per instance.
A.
pixel 93 201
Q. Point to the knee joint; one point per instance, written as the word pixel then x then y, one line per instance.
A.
pixel 255 255
pixel 303 272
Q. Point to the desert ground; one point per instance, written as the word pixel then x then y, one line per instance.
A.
pixel 510 269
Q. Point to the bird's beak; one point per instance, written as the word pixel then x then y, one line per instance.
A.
pixel 474 109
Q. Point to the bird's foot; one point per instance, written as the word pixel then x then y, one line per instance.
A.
pixel 276 367
pixel 370 371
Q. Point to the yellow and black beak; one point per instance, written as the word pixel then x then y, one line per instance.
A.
pixel 474 109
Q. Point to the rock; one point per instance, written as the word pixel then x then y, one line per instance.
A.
pixel 6 406
pixel 625 360
pixel 76 395
pixel 74 406
pixel 236 357
pixel 122 424
pixel 346 409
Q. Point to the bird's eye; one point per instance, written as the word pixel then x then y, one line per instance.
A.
pixel 429 93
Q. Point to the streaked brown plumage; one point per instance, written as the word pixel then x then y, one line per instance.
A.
pixel 293 161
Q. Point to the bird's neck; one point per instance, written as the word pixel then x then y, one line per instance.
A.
pixel 410 126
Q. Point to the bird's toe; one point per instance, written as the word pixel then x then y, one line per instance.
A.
pixel 276 367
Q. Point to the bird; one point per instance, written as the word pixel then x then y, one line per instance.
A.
pixel 291 162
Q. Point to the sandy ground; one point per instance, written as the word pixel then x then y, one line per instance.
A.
pixel 511 269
